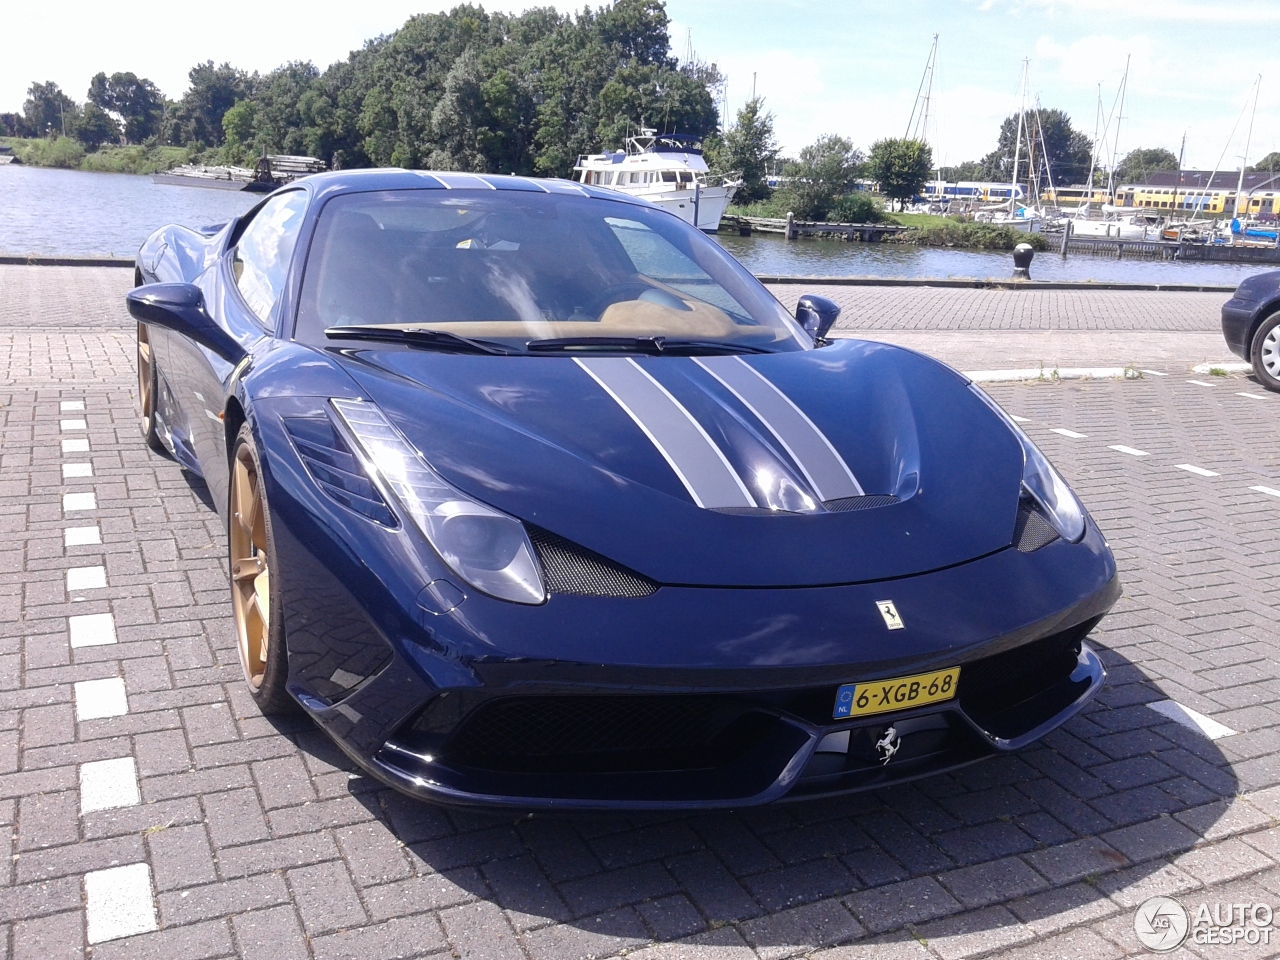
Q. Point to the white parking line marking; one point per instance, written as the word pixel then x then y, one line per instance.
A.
pixel 1198 471
pixel 96 699
pixel 81 536
pixel 108 784
pixel 75 445
pixel 1251 396
pixel 72 470
pixel 73 425
pixel 1017 419
pixel 1228 366
pixel 1269 491
pixel 71 406
pixel 119 902
pixel 1191 719
pixel 1155 373
pixel 92 630
pixel 1069 433
pixel 1200 383
pixel 1131 451
pixel 86 578
pixel 79 501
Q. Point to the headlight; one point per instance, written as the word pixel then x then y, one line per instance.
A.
pixel 484 546
pixel 1041 482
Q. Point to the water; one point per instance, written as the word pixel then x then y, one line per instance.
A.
pixel 73 213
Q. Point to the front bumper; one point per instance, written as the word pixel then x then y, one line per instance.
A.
pixel 1237 325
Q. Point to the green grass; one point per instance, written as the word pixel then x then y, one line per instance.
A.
pixel 70 154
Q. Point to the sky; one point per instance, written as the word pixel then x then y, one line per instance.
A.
pixel 842 66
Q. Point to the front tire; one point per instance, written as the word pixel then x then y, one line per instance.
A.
pixel 255 585
pixel 1265 351
pixel 148 388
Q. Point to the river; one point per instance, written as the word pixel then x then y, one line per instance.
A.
pixel 73 213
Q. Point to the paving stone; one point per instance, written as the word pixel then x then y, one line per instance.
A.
pixel 896 905
pixel 326 898
pixel 801 929
pixel 272 934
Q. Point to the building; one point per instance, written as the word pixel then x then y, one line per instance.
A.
pixel 1189 191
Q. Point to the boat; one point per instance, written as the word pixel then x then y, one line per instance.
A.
pixel 1134 226
pixel 667 170
pixel 269 173
pixel 6 155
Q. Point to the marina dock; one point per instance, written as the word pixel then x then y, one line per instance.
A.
pixel 790 228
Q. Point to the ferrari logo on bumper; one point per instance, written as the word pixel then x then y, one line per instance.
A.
pixel 890 614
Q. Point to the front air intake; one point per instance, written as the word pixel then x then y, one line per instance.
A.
pixel 569 568
pixel 1032 530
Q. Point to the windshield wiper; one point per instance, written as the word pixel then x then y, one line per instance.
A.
pixel 652 345
pixel 436 339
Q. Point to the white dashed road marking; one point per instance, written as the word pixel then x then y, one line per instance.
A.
pixel 96 699
pixel 1069 433
pixel 74 470
pixel 108 784
pixel 79 501
pixel 1200 383
pixel 86 578
pixel 73 425
pixel 1198 471
pixel 1191 719
pixel 71 406
pixel 75 445
pixel 1269 491
pixel 119 902
pixel 81 536
pixel 1131 451
pixel 1155 373
pixel 1017 419
pixel 1251 396
pixel 92 630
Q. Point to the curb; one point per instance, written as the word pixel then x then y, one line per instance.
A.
pixel 34 260
pixel 993 284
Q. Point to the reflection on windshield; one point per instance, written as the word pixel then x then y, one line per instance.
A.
pixel 516 266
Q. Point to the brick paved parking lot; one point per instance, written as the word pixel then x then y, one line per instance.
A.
pixel 150 810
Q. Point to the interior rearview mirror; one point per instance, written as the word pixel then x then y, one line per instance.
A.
pixel 817 315
pixel 180 307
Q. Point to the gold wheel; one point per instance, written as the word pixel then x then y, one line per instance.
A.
pixel 250 568
pixel 147 387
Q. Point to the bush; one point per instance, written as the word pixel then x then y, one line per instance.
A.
pixel 856 208
pixel 61 152
pixel 980 236
pixel 134 159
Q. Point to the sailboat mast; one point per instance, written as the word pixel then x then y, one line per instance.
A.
pixel 1248 139
pixel 1017 147
pixel 1115 143
pixel 919 129
pixel 1093 156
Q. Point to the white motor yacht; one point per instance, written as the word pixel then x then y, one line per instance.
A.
pixel 667 170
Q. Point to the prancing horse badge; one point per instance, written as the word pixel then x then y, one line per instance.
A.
pixel 890 614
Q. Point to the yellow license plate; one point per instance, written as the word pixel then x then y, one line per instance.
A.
pixel 901 693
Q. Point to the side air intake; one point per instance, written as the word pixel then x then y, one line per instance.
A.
pixel 867 502
pixel 335 469
pixel 1032 531
pixel 572 569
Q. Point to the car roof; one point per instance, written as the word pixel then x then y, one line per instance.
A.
pixel 395 178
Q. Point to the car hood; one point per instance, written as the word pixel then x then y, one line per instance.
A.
pixel 714 470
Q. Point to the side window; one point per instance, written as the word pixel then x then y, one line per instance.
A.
pixel 261 258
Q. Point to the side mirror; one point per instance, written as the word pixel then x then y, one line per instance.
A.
pixel 817 315
pixel 180 307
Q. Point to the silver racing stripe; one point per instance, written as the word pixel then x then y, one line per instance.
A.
pixel 684 444
pixel 808 446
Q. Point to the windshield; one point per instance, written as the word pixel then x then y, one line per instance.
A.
pixel 512 267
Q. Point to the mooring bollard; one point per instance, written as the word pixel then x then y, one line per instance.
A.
pixel 1022 255
pixel 791 227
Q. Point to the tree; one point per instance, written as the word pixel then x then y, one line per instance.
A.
pixel 94 127
pixel 1268 164
pixel 13 125
pixel 197 117
pixel 901 167
pixel 747 150
pixel 47 108
pixel 824 173
pixel 1066 151
pixel 969 170
pixel 136 102
pixel 1139 164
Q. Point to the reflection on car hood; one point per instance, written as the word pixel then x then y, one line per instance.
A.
pixel 714 470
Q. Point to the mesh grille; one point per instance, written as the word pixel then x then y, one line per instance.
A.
pixel 565 726
pixel 1032 531
pixel 573 569
pixel 860 503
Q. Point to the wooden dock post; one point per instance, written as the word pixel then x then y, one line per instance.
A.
pixel 790 233
pixel 1066 238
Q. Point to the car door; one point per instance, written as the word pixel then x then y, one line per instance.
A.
pixel 242 293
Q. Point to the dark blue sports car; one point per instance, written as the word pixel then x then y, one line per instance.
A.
pixel 536 497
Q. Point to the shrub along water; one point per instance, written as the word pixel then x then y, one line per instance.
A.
pixel 70 154
pixel 979 236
